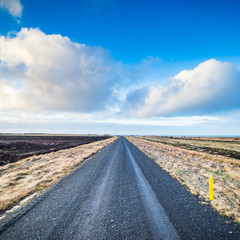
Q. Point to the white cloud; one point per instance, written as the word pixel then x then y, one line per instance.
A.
pixel 40 72
pixel 166 121
pixel 211 86
pixel 14 7
pixel 49 78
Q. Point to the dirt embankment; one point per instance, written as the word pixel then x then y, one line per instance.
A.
pixel 33 174
pixel 192 169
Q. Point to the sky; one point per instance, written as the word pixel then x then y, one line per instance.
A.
pixel 120 67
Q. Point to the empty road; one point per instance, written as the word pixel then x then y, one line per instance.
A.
pixel 119 194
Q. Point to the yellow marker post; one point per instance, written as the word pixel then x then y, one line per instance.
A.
pixel 210 187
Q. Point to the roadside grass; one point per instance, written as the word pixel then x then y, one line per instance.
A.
pixel 228 145
pixel 192 169
pixel 228 148
pixel 34 174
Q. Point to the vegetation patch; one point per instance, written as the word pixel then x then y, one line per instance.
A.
pixel 228 147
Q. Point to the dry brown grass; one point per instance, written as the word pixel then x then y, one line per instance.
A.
pixel 202 142
pixel 178 151
pixel 193 168
pixel 34 174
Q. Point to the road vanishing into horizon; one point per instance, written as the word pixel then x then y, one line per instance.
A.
pixel 119 193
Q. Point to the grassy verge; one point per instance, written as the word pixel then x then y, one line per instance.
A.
pixel 225 147
pixel 192 169
pixel 34 174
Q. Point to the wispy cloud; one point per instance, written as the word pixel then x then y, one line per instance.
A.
pixel 166 121
pixel 14 7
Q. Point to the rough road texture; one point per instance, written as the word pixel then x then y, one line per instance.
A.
pixel 120 194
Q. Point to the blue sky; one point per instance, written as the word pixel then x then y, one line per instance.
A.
pixel 131 30
pixel 120 67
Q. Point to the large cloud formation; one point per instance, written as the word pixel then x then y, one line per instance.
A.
pixel 14 7
pixel 45 74
pixel 210 87
pixel 50 72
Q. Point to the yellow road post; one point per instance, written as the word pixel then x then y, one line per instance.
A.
pixel 210 187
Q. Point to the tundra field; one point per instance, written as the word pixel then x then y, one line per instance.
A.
pixel 32 163
pixel 225 146
pixel 14 147
pixel 191 160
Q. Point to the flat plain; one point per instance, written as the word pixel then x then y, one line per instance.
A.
pixel 14 147
pixel 119 193
pixel 225 146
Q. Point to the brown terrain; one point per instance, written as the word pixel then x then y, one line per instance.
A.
pixel 16 147
pixel 224 146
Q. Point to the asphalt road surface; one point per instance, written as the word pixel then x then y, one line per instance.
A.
pixel 119 194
